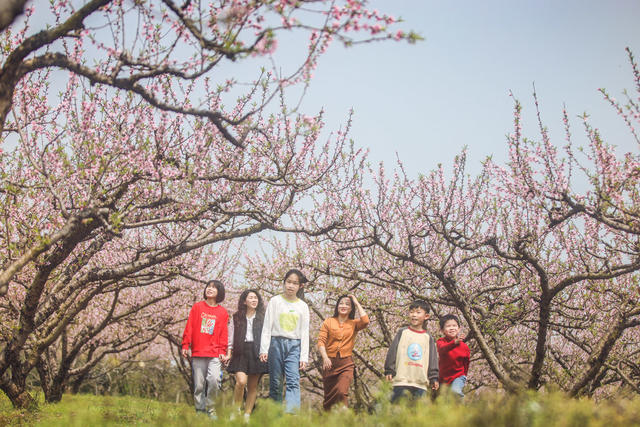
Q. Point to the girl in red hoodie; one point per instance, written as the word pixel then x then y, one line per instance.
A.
pixel 206 333
pixel 453 355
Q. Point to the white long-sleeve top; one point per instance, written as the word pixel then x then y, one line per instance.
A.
pixel 288 320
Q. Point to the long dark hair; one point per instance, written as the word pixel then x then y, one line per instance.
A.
pixel 242 302
pixel 352 313
pixel 301 277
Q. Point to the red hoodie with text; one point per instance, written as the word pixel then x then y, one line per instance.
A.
pixel 206 331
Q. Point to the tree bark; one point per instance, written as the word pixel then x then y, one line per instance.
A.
pixel 9 11
pixel 17 394
pixel 599 357
pixel 55 391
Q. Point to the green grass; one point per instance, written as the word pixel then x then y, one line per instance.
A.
pixel 83 410
pixel 530 410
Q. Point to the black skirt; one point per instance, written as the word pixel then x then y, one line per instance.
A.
pixel 247 361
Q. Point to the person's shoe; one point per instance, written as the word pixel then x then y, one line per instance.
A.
pixel 212 414
pixel 246 418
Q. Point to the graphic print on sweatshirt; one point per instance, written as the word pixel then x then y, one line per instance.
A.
pixel 289 320
pixel 208 323
pixel 414 352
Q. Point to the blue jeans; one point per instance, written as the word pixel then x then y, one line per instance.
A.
pixel 414 392
pixel 458 384
pixel 284 359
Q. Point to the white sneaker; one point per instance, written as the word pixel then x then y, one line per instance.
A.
pixel 247 417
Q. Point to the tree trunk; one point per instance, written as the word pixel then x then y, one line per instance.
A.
pixel 18 395
pixel 54 392
pixel 541 344
pixel 52 386
pixel 599 357
pixel 77 382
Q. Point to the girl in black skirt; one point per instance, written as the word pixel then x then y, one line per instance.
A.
pixel 244 341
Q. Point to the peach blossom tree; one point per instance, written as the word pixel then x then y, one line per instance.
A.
pixel 130 145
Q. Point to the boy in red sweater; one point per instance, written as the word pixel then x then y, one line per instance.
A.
pixel 453 355
pixel 206 333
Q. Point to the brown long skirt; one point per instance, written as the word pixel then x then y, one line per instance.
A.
pixel 337 381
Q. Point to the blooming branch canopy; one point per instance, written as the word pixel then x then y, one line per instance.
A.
pixel 540 257
pixel 130 147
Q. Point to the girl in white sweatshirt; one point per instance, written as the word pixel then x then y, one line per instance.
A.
pixel 284 343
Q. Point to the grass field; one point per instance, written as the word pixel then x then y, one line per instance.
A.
pixel 531 410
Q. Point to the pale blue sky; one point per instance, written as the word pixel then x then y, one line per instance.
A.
pixel 426 101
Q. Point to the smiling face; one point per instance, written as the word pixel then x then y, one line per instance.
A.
pixel 211 292
pixel 417 316
pixel 344 306
pixel 252 300
pixel 291 286
pixel 450 329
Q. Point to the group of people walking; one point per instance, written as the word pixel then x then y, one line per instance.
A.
pixel 275 340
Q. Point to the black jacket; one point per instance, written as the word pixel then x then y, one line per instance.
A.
pixel 240 331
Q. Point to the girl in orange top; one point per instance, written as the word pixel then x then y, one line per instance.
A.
pixel 335 343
